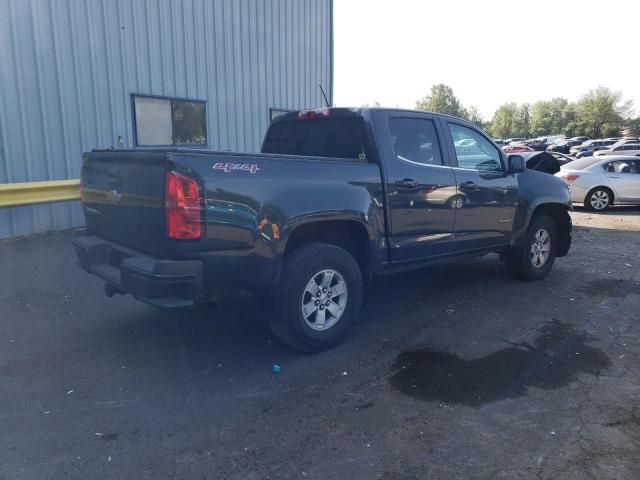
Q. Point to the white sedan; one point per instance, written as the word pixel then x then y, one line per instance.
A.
pixel 600 182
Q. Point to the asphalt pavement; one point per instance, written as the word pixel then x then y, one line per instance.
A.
pixel 453 372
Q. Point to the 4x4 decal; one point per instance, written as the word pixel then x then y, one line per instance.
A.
pixel 230 167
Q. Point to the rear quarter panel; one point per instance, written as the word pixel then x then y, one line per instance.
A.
pixel 253 203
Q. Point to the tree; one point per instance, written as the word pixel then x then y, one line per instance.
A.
pixel 505 122
pixel 442 100
pixel 523 125
pixel 550 116
pixel 472 113
pixel 633 127
pixel 602 109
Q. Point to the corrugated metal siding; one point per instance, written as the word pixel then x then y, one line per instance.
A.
pixel 68 68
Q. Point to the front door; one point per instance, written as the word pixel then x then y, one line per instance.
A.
pixel 488 194
pixel 421 188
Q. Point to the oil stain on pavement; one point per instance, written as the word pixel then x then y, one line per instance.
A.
pixel 556 357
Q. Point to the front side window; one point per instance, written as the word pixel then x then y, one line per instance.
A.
pixel 166 121
pixel 474 151
pixel 415 140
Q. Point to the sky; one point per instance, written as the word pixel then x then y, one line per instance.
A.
pixel 489 51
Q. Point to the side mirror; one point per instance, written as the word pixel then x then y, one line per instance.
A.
pixel 516 164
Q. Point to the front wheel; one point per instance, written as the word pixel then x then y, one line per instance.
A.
pixel 320 297
pixel 598 199
pixel 534 260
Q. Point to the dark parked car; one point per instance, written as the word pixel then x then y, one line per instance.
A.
pixel 580 139
pixel 562 158
pixel 563 146
pixel 336 196
pixel 591 146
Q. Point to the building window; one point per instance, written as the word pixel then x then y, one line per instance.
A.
pixel 162 121
pixel 276 112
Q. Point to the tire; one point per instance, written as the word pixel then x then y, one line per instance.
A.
pixel 317 331
pixel 598 199
pixel 525 262
pixel 457 201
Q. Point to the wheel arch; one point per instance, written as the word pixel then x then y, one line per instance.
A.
pixel 351 235
pixel 603 187
pixel 560 214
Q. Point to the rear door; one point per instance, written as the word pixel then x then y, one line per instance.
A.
pixel 624 177
pixel 420 185
pixel 484 216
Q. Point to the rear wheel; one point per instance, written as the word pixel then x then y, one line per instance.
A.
pixel 320 297
pixel 598 199
pixel 534 260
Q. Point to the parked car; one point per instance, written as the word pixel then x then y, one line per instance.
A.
pixel 600 182
pixel 580 139
pixel 516 149
pixel 563 146
pixel 625 141
pixel 626 149
pixel 586 153
pixel 591 145
pixel 515 140
pixel 562 158
pixel 335 197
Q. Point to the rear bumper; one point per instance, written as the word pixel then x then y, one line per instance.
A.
pixel 159 282
pixel 577 193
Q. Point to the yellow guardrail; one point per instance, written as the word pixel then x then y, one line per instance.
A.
pixel 30 193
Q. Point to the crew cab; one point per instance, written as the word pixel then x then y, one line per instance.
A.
pixel 335 197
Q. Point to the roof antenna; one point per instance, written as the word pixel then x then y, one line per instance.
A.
pixel 324 95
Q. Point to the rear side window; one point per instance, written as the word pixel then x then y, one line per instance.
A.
pixel 415 140
pixel 331 137
pixel 473 151
pixel 622 166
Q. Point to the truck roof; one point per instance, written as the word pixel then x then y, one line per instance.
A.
pixel 349 112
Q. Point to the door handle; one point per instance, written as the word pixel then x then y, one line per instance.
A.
pixel 407 183
pixel 471 186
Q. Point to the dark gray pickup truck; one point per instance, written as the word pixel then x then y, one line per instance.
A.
pixel 336 196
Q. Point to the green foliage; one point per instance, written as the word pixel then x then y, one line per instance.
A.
pixel 599 113
pixel 632 127
pixel 550 116
pixel 601 109
pixel 442 100
pixel 510 120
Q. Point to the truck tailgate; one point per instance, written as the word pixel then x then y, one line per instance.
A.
pixel 123 198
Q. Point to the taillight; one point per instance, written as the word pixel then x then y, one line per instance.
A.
pixel 570 178
pixel 314 113
pixel 182 207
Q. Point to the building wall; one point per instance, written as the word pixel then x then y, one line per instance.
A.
pixel 68 69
